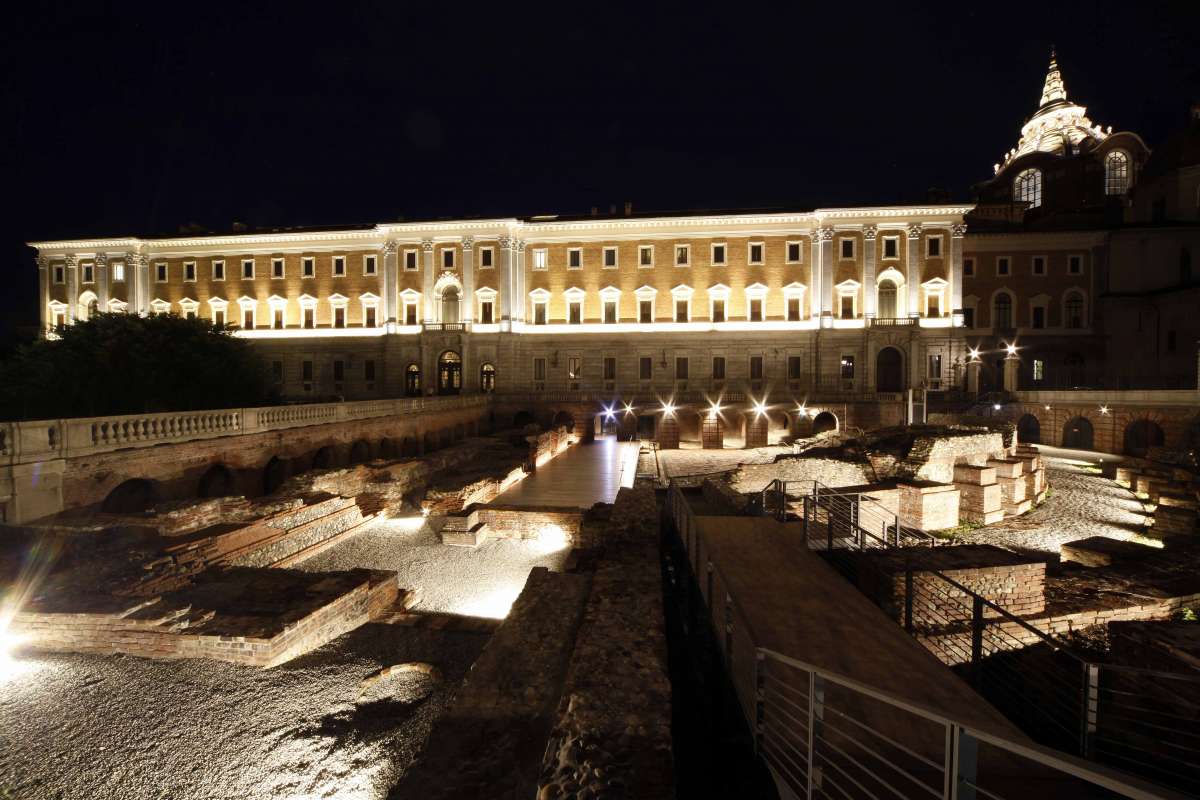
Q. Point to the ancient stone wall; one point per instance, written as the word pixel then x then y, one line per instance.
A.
pixel 829 471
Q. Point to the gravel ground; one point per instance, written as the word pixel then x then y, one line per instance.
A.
pixel 694 461
pixel 1082 504
pixel 473 582
pixel 119 727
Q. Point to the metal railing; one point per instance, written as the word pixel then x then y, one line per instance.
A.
pixel 839 514
pixel 823 734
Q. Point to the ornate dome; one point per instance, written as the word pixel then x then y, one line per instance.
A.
pixel 1057 125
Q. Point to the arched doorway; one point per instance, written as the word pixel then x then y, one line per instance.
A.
pixel 324 458
pixel 131 497
pixel 1077 434
pixel 1029 430
pixel 889 370
pixel 360 452
pixel 412 381
pixel 1141 435
pixel 449 305
pixel 487 378
pixel 274 474
pixel 887 299
pixel 217 481
pixel 825 421
pixel 449 373
pixel 564 420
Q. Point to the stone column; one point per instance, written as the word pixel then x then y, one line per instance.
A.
pixel 826 273
pixel 518 296
pixel 868 279
pixel 505 266
pixel 756 430
pixel 973 376
pixel 72 287
pixel 427 283
pixel 956 271
pixel 913 265
pixel 712 432
pixel 43 265
pixel 391 283
pixel 668 433
pixel 814 291
pixel 467 304
pixel 1012 363
pixel 102 281
pixel 138 265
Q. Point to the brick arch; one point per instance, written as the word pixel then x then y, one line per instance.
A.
pixel 325 458
pixel 360 452
pixel 217 481
pixel 1079 433
pixel 1141 433
pixel 132 496
pixel 825 421
pixel 1029 429
pixel 563 419
pixel 275 472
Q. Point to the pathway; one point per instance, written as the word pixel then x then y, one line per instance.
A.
pixel 1082 503
pixel 586 474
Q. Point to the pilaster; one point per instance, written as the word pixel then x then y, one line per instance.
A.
pixel 957 233
pixel 43 265
pixel 72 287
pixel 428 280
pixel 868 280
pixel 138 266
pixel 518 299
pixel 467 302
pixel 102 281
pixel 391 282
pixel 913 265
pixel 827 272
pixel 814 291
pixel 505 266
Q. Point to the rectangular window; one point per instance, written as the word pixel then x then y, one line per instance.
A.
pixel 794 251
pixel 1039 316
pixel 574 367
pixel 756 309
pixel 410 314
pixel 1003 265
pixel 277 318
pixel 218 270
pixel 610 368
pixel 369 317
pixel 306 372
pixel 308 267
pixel 718 310
pixel 539 369
pixel 486 313
pixel 118 271
pixel 754 253
pixel 1039 369
pixel 410 260
pixel 277 372
pixel 646 255
pixel 718 369
pixel 1039 265
pixel 248 269
pixel 89 273
pixel 248 318
pixel 575 312
pixel 370 265
pixel 59 273
pixel 968 267
pixel 681 310
pixel 935 367
pixel 847 247
pixel 795 364
pixel 487 258
pixel 683 255
pixel 540 258
pixel 339 317
pixel 539 312
pixel 933 305
pixel 575 258
pixel 369 370
pixel 645 368
pixel 681 368
pixel 968 317
pixel 1075 265
pixel 610 258
pixel 339 266
pixel 160 273
pixel 189 271
pixel 933 246
pixel 718 255
pixel 847 306
pixel 645 311
pixel 793 309
pixel 339 371
pixel 847 367
pixel 310 317
pixel 276 268
pixel 756 368
pixel 610 311
pixel 448 258
pixel 891 247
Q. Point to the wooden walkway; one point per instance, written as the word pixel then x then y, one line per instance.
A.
pixel 587 474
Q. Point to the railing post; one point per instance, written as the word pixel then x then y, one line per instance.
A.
pixel 1090 709
pixel 976 639
pixel 829 529
pixel 805 503
pixel 760 715
pixel 965 763
pixel 816 720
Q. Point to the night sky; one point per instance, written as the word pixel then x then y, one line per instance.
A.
pixel 121 119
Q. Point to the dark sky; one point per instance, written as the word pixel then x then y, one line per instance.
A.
pixel 122 119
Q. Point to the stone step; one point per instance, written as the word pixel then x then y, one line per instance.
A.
pixel 476 535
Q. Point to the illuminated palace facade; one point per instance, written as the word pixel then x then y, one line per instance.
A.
pixel 822 304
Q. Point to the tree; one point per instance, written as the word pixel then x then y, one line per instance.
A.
pixel 127 364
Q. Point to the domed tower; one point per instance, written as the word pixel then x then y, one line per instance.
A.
pixel 1065 169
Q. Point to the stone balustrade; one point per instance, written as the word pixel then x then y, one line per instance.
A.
pixel 1111 397
pixel 41 440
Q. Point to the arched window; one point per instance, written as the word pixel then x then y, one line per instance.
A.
pixel 487 378
pixel 1073 310
pixel 1002 311
pixel 1185 265
pixel 1116 173
pixel 450 305
pixel 1027 187
pixel 449 373
pixel 887 299
pixel 412 381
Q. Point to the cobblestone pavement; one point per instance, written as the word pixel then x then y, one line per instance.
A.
pixel 1082 504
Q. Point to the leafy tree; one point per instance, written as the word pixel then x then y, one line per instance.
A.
pixel 127 364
